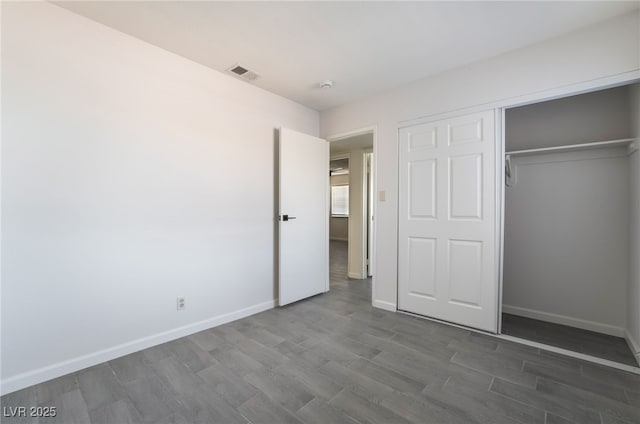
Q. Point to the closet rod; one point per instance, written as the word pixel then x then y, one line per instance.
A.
pixel 584 146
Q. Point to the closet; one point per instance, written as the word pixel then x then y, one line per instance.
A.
pixel 571 224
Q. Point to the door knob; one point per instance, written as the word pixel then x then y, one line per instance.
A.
pixel 287 217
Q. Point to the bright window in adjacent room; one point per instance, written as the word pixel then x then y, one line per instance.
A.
pixel 340 200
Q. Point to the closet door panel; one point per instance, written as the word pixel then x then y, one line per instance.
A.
pixel 422 138
pixel 465 130
pixel 465 265
pixel 422 189
pixel 422 267
pixel 447 265
pixel 465 185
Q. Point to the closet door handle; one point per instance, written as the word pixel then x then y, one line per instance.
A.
pixel 508 171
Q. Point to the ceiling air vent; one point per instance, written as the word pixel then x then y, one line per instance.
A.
pixel 242 72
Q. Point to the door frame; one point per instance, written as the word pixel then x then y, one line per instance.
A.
pixel 365 216
pixel 370 200
pixel 373 129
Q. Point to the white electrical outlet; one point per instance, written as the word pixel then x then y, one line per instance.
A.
pixel 180 303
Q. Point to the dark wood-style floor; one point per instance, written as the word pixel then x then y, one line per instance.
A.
pixel 588 342
pixel 335 359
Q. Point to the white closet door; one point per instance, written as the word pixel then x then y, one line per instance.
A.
pixel 447 221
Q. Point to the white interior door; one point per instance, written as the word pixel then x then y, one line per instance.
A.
pixel 448 260
pixel 304 216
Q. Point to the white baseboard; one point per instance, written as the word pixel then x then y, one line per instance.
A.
pixel 611 330
pixel 633 344
pixel 49 372
pixel 355 275
pixel 387 306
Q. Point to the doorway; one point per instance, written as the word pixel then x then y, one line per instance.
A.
pixel 570 179
pixel 352 207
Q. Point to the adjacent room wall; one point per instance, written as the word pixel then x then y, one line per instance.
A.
pixel 566 214
pixel 633 296
pixel 339 226
pixel 607 50
pixel 117 195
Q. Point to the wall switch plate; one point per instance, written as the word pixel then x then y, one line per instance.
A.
pixel 382 195
pixel 180 303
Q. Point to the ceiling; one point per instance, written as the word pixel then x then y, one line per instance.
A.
pixel 357 142
pixel 364 47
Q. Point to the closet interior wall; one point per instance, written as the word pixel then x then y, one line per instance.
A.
pixel 571 217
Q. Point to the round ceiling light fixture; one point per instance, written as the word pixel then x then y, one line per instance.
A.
pixel 326 84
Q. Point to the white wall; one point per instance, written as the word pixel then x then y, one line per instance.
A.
pixel 566 239
pixel 607 50
pixel 117 196
pixel 633 296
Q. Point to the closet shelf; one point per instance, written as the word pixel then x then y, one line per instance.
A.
pixel 630 142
